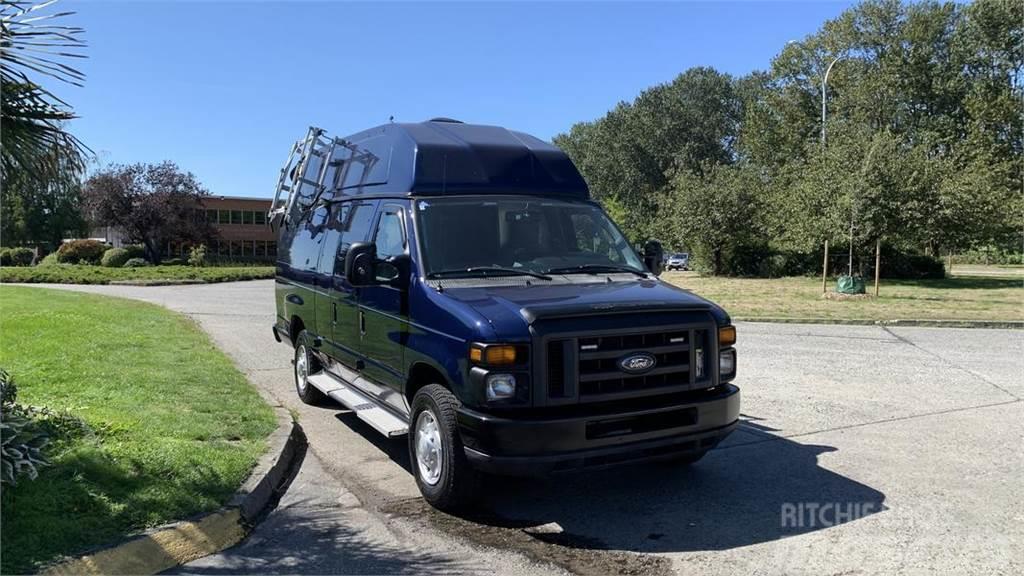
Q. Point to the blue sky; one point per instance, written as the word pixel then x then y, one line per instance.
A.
pixel 224 88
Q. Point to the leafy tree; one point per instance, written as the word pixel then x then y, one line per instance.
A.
pixel 629 154
pixel 32 118
pixel 714 212
pixel 41 163
pixel 153 204
pixel 42 212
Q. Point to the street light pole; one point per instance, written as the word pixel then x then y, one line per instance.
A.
pixel 824 92
pixel 824 88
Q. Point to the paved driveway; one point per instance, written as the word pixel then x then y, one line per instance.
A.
pixel 863 450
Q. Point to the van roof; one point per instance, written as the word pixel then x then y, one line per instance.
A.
pixel 446 157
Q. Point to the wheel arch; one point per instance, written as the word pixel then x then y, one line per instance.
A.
pixel 294 328
pixel 422 373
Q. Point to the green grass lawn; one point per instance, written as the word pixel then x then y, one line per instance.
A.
pixel 957 298
pixel 176 427
pixel 85 274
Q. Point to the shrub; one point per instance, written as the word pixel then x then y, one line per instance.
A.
pixel 135 250
pixel 197 256
pixel 8 389
pixel 115 258
pixel 21 438
pixel 989 255
pixel 5 257
pixel 136 263
pixel 81 252
pixel 22 441
pixel 911 266
pixel 51 259
pixel 22 256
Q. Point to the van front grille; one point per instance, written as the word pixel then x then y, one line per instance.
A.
pixel 590 368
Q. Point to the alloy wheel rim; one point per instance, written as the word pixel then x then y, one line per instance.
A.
pixel 429 450
pixel 301 369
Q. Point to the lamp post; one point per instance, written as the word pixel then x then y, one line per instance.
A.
pixel 824 89
pixel 824 93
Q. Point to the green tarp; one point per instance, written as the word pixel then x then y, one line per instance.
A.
pixel 850 285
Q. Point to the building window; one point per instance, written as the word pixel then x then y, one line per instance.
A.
pixel 211 216
pixel 272 248
pixel 247 217
pixel 225 216
pixel 261 248
pixel 236 216
pixel 260 217
pixel 222 248
pixel 247 248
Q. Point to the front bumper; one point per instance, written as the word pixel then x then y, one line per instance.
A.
pixel 534 447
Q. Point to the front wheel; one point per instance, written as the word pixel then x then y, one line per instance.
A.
pixel 306 365
pixel 444 476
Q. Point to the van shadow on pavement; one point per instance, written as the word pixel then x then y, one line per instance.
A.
pixel 756 487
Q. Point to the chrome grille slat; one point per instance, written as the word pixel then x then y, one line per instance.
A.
pixel 585 355
pixel 594 376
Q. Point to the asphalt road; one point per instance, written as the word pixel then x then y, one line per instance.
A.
pixel 863 450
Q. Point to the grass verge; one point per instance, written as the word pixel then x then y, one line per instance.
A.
pixel 84 274
pixel 957 298
pixel 176 427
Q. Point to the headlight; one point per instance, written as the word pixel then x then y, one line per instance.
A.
pixel 500 386
pixel 727 364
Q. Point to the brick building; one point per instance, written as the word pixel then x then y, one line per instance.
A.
pixel 241 223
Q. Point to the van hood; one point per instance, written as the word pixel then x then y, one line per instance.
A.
pixel 509 309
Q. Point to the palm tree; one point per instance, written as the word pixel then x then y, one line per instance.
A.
pixel 33 139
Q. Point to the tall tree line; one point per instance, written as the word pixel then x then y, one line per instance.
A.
pixel 922 149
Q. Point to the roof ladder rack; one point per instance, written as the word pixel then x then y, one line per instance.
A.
pixel 310 163
pixel 316 165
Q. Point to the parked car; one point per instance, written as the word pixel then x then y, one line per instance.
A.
pixel 680 261
pixel 455 283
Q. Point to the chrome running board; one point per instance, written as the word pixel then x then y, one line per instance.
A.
pixel 380 419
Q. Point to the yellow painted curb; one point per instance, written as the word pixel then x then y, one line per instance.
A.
pixel 153 553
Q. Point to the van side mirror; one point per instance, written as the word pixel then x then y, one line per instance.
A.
pixel 654 256
pixel 393 271
pixel 361 264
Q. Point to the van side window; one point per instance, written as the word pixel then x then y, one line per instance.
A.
pixel 390 238
pixel 332 237
pixel 305 246
pixel 356 228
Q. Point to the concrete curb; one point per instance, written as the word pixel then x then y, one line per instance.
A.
pixel 185 541
pixel 1004 324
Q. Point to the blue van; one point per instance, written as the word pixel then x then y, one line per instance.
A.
pixel 455 283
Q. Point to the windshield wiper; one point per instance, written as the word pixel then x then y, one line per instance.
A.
pixel 498 270
pixel 594 269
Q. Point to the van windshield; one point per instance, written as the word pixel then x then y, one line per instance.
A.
pixel 474 236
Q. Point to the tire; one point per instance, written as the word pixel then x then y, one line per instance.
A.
pixel 445 478
pixel 306 364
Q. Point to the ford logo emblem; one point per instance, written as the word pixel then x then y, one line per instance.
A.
pixel 637 363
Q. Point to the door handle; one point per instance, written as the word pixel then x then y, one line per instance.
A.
pixel 362 323
pixel 334 312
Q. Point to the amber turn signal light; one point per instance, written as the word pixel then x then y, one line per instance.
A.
pixel 726 336
pixel 493 355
